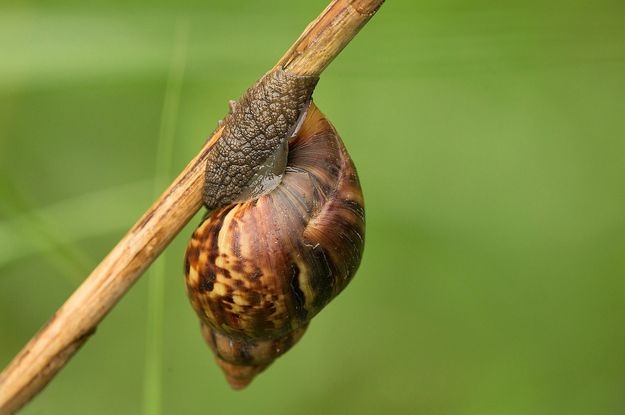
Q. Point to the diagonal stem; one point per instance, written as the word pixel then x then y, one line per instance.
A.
pixel 68 329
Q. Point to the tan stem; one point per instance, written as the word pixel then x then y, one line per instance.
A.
pixel 68 329
pixel 327 35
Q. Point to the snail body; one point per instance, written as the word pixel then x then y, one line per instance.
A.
pixel 262 265
pixel 250 157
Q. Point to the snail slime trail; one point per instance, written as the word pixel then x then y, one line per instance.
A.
pixel 285 229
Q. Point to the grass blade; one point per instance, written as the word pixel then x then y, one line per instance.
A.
pixel 152 391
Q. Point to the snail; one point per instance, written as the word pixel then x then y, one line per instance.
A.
pixel 284 231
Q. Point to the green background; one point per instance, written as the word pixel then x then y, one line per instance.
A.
pixel 490 142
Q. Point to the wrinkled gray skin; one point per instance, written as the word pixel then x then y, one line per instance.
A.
pixel 250 157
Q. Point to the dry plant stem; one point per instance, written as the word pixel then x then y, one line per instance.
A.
pixel 52 347
pixel 326 36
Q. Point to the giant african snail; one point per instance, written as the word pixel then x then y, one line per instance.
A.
pixel 285 229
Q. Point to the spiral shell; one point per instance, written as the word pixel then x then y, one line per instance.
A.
pixel 259 270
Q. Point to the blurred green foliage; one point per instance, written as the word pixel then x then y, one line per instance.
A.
pixel 490 141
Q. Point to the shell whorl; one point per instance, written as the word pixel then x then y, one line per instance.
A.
pixel 258 271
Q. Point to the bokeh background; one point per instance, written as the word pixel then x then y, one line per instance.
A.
pixel 490 142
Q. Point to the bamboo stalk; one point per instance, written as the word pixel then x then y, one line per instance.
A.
pixel 69 328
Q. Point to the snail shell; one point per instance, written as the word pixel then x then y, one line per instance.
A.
pixel 258 270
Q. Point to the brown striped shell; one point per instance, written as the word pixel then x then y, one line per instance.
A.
pixel 258 271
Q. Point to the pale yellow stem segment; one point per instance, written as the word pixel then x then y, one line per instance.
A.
pixel 68 329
